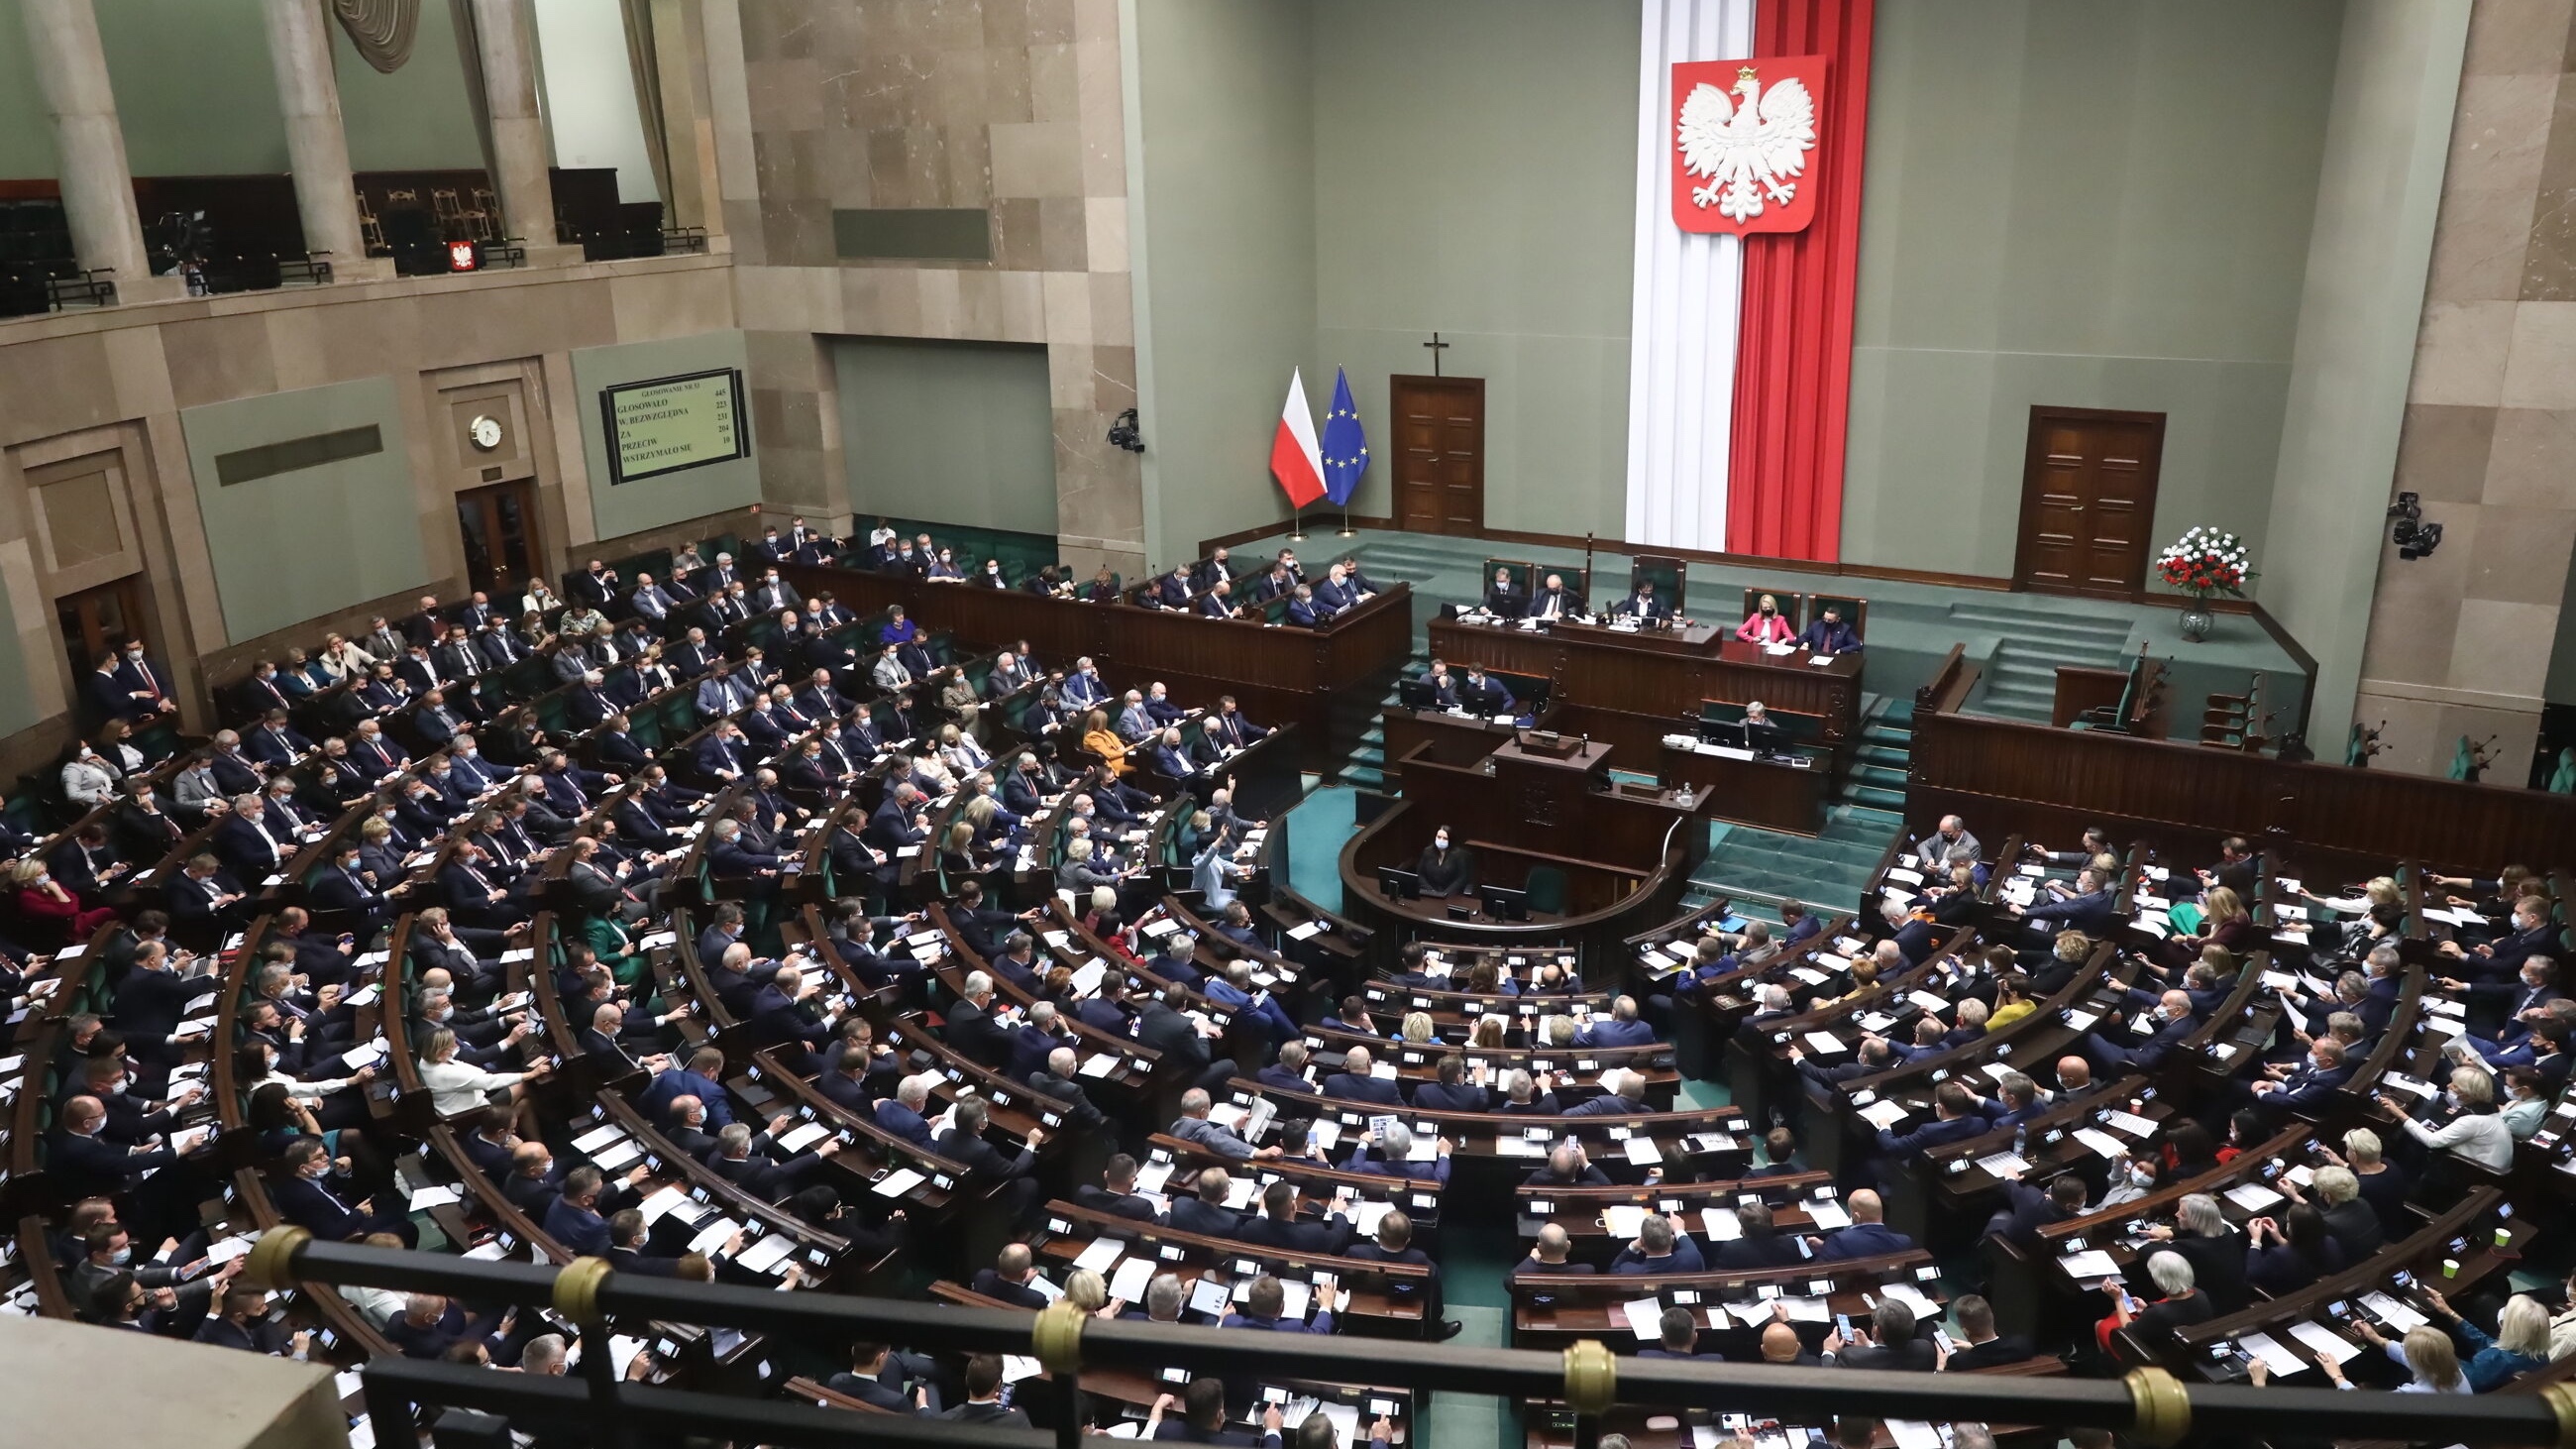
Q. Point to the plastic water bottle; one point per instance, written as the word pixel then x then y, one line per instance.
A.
pixel 2021 1140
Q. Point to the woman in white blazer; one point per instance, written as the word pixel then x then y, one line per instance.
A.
pixel 458 1087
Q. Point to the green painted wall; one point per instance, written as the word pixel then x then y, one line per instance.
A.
pixel 966 423
pixel 352 528
pixel 626 508
pixel 1476 172
pixel 2387 145
pixel 421 117
pixel 17 706
pixel 2085 203
pixel 26 135
pixel 1221 167
pixel 1325 184
pixel 194 89
pixel 197 96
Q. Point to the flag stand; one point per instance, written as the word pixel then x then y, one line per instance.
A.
pixel 1297 525
pixel 1347 530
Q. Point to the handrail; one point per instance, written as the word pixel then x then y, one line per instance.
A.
pixel 2148 1404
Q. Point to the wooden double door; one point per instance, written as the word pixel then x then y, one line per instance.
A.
pixel 1439 453
pixel 2088 501
pixel 499 527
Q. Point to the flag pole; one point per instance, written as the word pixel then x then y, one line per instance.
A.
pixel 1347 530
pixel 1297 525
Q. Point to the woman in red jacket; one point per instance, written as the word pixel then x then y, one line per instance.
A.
pixel 41 898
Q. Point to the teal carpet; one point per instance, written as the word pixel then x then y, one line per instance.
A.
pixel 1316 827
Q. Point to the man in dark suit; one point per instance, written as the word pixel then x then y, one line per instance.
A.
pixel 1553 600
pixel 984 1396
pixel 776 1015
pixel 901 1114
pixel 1505 599
pixel 1956 1119
pixel 1661 1246
pixel 1483 694
pixel 2088 910
pixel 1277 1225
pixel 1677 1337
pixel 1304 611
pixel 758 1172
pixel 2529 933
pixel 1163 1025
pixel 974 1025
pixel 964 1143
pixel 1869 1236
pixel 1983 1348
pixel 1888 1345
pixel 1356 1081
pixel 883 1379
pixel 305 1198
pixel 1055 1081
pixel 1623 1029
pixel 1288 1073
pixel 146 683
pixel 1451 1091
pixel 2306 1089
pixel 1338 591
pixel 1762 1244
pixel 2027 1209
pixel 1622 1094
pixel 1644 603
pixel 1116 1192
pixel 1551 1255
pixel 2171 1021
pixel 578 1215
pixel 1206 1214
pixel 1828 634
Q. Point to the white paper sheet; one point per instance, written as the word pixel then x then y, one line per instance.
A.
pixel 2325 1342
pixel 1128 1283
pixel 1645 1318
pixel 2090 1266
pixel 2103 1143
pixel 2273 1353
pixel 2254 1197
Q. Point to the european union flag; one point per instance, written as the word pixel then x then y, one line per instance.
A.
pixel 1345 443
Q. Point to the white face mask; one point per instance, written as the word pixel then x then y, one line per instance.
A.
pixel 1441 840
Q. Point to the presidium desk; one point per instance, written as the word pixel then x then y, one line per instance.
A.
pixel 1632 689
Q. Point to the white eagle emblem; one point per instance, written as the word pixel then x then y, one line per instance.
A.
pixel 1748 149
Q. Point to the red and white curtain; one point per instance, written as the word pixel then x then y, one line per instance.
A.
pixel 1739 376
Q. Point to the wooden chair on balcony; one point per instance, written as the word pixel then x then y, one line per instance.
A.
pixel 449 213
pixel 2234 721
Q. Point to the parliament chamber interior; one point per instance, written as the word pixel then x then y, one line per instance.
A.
pixel 708 742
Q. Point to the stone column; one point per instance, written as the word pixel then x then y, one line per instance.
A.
pixel 317 147
pixel 501 29
pixel 98 189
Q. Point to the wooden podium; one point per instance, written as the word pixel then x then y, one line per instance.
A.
pixel 1529 804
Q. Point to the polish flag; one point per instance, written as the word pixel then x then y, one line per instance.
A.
pixel 1294 459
